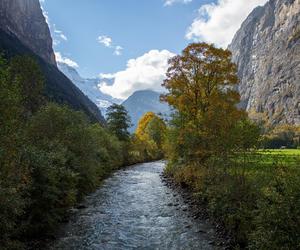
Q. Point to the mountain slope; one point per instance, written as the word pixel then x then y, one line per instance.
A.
pixel 267 52
pixel 25 20
pixel 89 87
pixel 24 31
pixel 58 87
pixel 144 101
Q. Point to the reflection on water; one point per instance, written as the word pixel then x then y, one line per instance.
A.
pixel 134 210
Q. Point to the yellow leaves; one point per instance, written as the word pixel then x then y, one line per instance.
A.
pixel 200 84
pixel 143 122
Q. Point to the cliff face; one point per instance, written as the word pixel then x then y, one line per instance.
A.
pixel 25 20
pixel 267 52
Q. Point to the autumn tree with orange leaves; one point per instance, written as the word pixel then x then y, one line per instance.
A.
pixel 201 84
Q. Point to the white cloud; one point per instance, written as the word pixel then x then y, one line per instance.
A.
pixel 108 42
pixel 118 50
pixel 68 61
pixel 105 40
pixel 106 76
pixel 45 13
pixel 60 34
pixel 171 2
pixel 145 72
pixel 218 22
pixel 57 35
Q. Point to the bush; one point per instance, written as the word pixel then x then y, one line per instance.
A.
pixel 277 221
pixel 68 158
pixel 258 206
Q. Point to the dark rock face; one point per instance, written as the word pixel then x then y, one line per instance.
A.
pixel 25 20
pixel 267 52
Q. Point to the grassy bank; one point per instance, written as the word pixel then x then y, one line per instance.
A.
pixel 256 198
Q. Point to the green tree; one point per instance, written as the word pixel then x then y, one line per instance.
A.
pixel 10 198
pixel 118 121
pixel 68 158
pixel 27 72
pixel 14 173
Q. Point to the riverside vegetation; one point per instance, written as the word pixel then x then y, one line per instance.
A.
pixel 213 148
pixel 52 156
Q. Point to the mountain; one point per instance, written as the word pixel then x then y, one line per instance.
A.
pixel 33 38
pixel 267 52
pixel 25 20
pixel 144 101
pixel 90 87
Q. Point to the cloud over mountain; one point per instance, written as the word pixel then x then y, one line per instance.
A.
pixel 61 59
pixel 145 72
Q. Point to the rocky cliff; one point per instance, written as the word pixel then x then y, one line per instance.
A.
pixel 25 20
pixel 267 52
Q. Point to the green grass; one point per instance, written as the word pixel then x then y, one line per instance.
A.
pixel 285 152
pixel 263 159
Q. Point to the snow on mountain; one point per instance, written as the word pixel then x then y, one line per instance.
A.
pixel 90 87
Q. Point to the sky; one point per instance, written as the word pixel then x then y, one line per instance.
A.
pixel 129 42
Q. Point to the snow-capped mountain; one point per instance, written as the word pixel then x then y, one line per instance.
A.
pixel 90 87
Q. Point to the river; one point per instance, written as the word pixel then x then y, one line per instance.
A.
pixel 133 209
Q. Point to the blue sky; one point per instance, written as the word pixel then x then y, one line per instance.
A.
pixel 136 25
pixel 120 37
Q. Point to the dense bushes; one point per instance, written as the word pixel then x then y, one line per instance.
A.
pixel 258 205
pixel 282 136
pixel 50 155
pixel 67 157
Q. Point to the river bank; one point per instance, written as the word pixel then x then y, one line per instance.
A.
pixel 198 211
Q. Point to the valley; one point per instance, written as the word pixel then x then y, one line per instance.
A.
pixel 191 141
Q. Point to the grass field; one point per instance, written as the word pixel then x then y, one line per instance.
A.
pixel 269 158
pixel 285 152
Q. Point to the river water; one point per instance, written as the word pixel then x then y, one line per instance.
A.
pixel 133 209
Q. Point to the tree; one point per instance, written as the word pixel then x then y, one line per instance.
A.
pixel 13 174
pixel 151 127
pixel 21 85
pixel 118 121
pixel 27 72
pixel 201 88
pixel 143 123
pixel 282 136
pixel 150 132
pixel 156 130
